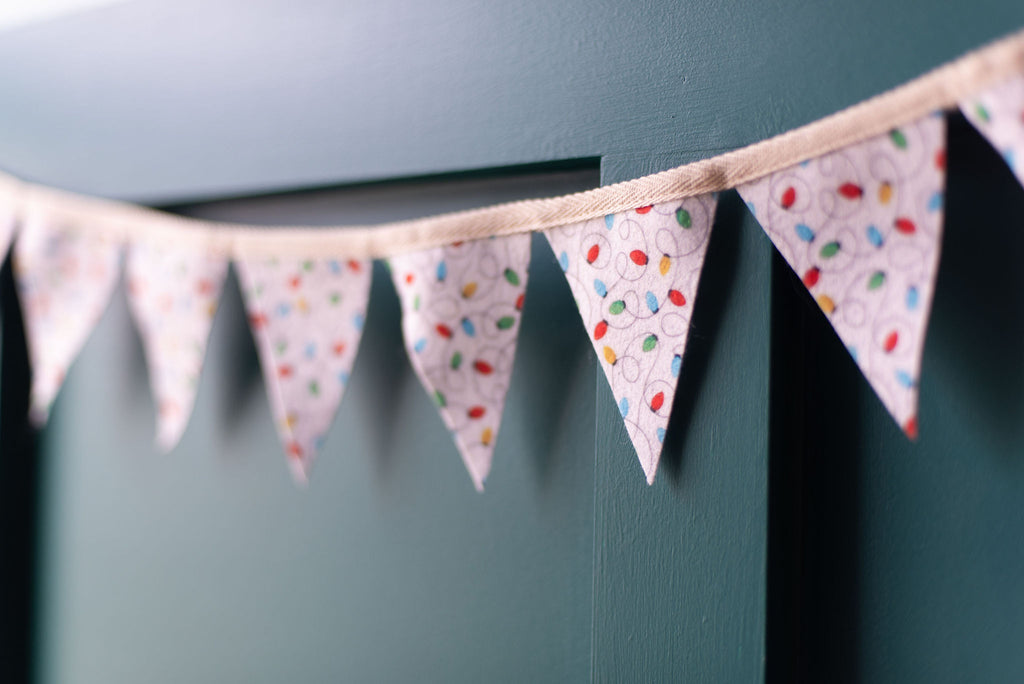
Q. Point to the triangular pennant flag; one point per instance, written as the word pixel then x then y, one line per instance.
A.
pixel 862 228
pixel 173 296
pixel 461 306
pixel 634 276
pixel 65 278
pixel 307 318
pixel 998 113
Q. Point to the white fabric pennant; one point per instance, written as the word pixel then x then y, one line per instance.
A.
pixel 998 113
pixel 173 294
pixel 862 228
pixel 634 276
pixel 65 279
pixel 307 318
pixel 461 306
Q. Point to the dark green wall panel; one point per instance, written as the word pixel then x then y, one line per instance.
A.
pixel 168 99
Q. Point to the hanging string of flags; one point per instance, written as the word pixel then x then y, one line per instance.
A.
pixel 853 202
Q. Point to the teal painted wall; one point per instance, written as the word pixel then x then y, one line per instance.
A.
pixel 792 532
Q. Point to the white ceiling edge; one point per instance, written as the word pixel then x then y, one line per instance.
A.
pixel 18 13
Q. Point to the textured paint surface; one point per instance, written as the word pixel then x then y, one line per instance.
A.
pixel 912 550
pixel 249 95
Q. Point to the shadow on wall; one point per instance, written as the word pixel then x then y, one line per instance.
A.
pixel 974 343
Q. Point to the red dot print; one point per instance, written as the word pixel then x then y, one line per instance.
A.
pixel 204 287
pixel 644 210
pixel 639 258
pixel 257 320
pixel 168 408
pixel 891 340
pixel 294 450
pixel 593 253
pixel 519 301
pixel 285 371
pixel 676 297
pixel 339 348
pixel 812 276
pixel 295 282
pixel 409 277
pixel 444 331
pixel 910 428
pixel 355 266
pixel 905 226
pixel 788 197
pixel 476 412
pixel 600 329
pixel 940 160
pixel 482 367
pixel 658 401
pixel 851 191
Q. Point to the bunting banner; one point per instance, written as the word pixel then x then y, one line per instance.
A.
pixel 853 202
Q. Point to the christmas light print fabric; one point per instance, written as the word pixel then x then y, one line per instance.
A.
pixel 307 319
pixel 172 295
pixel 998 114
pixel 862 228
pixel 634 276
pixel 461 306
pixel 64 280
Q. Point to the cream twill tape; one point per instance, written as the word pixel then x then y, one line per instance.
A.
pixel 941 88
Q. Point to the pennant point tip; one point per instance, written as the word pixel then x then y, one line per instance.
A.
pixel 910 428
pixel 300 474
pixel 650 469
pixel 38 415
pixel 478 478
pixel 165 442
